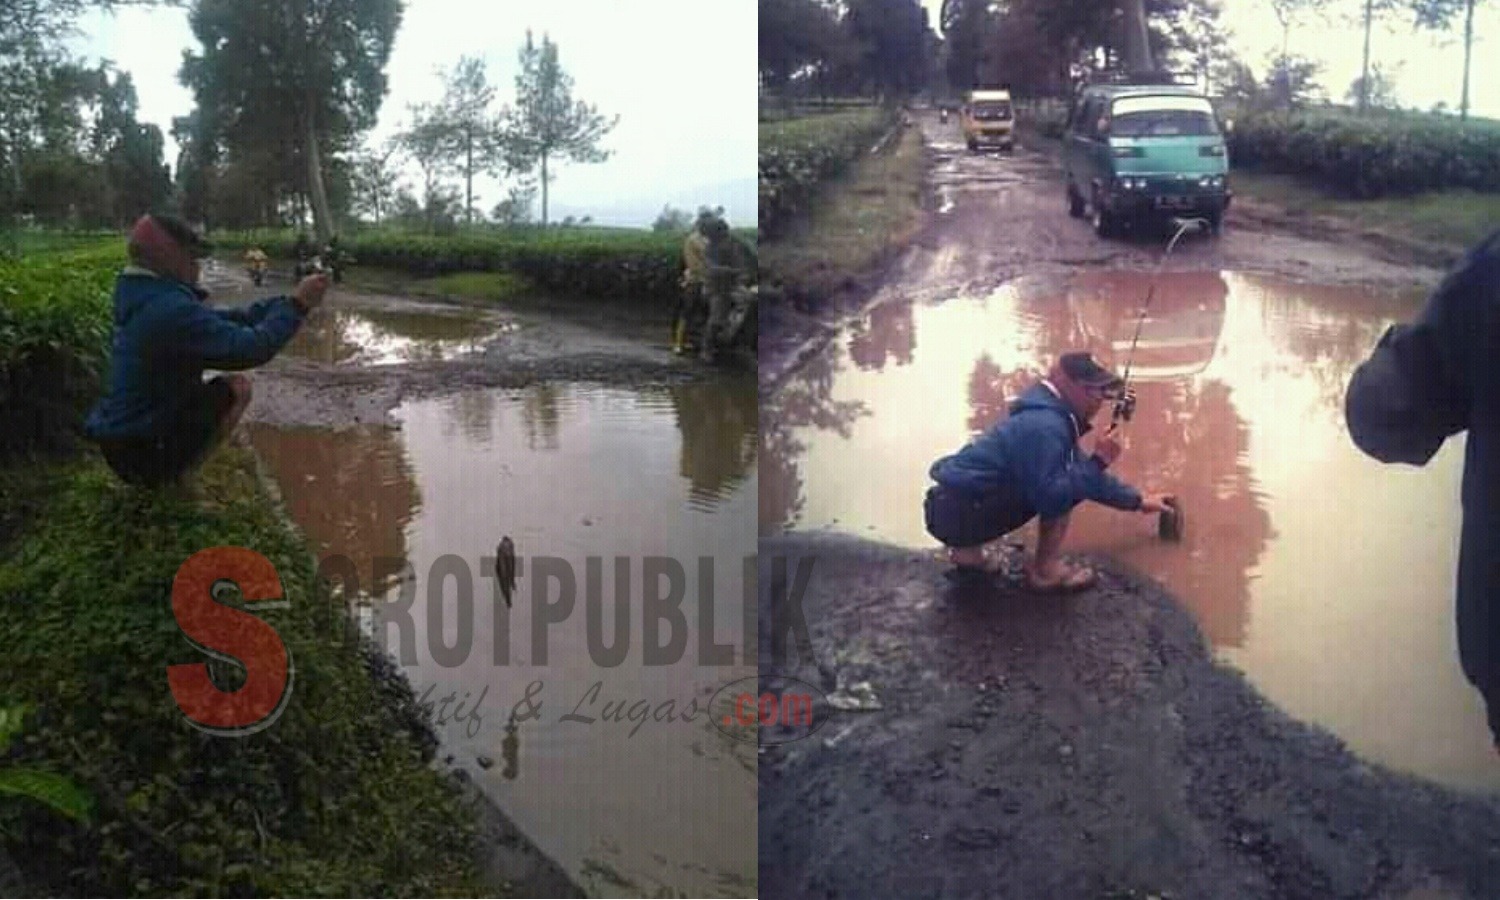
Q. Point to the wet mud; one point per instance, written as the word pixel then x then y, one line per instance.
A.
pixel 1084 746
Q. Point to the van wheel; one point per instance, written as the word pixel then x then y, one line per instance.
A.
pixel 1215 223
pixel 1075 203
pixel 1105 225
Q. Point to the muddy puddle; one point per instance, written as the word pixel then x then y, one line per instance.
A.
pixel 360 335
pixel 573 472
pixel 1324 576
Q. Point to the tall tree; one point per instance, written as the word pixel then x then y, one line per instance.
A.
pixel 893 34
pixel 426 143
pixel 546 123
pixel 794 35
pixel 1439 15
pixel 374 178
pixel 311 71
pixel 1373 9
pixel 966 25
pixel 471 134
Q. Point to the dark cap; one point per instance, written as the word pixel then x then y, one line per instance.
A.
pixel 183 234
pixel 1082 369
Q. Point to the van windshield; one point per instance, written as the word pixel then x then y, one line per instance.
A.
pixel 992 110
pixel 1164 123
pixel 1163 117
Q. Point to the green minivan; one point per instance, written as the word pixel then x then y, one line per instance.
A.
pixel 1139 152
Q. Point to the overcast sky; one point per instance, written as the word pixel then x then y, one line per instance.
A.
pixel 681 75
pixel 1430 66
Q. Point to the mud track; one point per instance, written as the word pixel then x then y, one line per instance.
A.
pixel 571 345
pixel 994 217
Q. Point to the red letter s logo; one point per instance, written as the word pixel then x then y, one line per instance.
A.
pixel 226 633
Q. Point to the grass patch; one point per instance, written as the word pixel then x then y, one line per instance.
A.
pixel 1454 218
pixel 859 218
pixel 492 286
pixel 336 798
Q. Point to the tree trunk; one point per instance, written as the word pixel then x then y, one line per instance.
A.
pixel 322 217
pixel 1364 76
pixel 1137 39
pixel 544 190
pixel 1463 106
pixel 468 177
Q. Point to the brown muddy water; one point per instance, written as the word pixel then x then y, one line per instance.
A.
pixel 366 336
pixel 569 471
pixel 1325 576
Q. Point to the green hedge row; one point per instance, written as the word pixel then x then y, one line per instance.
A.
pixel 798 155
pixel 621 264
pixel 54 341
pixel 1370 156
pixel 336 798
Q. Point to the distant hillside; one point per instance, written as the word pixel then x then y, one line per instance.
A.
pixel 738 197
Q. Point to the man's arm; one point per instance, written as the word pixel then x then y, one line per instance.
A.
pixel 225 344
pixel 252 314
pixel 1413 393
pixel 1054 484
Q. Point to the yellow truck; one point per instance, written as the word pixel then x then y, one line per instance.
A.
pixel 988 118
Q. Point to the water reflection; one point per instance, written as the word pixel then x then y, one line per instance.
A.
pixel 887 332
pixel 365 335
pixel 577 473
pixel 351 491
pixel 718 424
pixel 1302 559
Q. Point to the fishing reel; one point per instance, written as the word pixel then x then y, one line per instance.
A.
pixel 1124 407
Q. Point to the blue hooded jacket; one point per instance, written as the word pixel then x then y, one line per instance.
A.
pixel 1036 448
pixel 165 336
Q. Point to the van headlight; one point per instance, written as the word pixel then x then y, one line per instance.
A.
pixel 1211 181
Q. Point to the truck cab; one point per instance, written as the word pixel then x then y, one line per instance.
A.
pixel 989 118
pixel 1134 152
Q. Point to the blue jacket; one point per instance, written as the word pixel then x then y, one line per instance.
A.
pixel 165 336
pixel 1036 448
pixel 1426 381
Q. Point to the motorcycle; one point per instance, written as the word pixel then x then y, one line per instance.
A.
pixel 741 329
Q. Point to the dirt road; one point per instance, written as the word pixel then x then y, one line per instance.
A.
pixel 514 348
pixel 996 217
pixel 1079 747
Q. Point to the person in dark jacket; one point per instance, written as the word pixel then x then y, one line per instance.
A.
pixel 1030 466
pixel 159 418
pixel 1426 381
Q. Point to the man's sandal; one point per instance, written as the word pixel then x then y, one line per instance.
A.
pixel 1073 580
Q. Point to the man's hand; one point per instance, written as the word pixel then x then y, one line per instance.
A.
pixel 309 292
pixel 1107 449
pixel 1155 503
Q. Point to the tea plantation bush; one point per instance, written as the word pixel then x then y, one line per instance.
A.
pixel 798 155
pixel 336 797
pixel 54 340
pixel 1371 156
pixel 607 263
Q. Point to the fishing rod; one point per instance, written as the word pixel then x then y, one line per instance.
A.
pixel 1169 523
pixel 1124 407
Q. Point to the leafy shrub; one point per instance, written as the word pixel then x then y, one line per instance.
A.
pixel 54 337
pixel 798 155
pixel 608 263
pixel 1370 156
pixel 336 798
